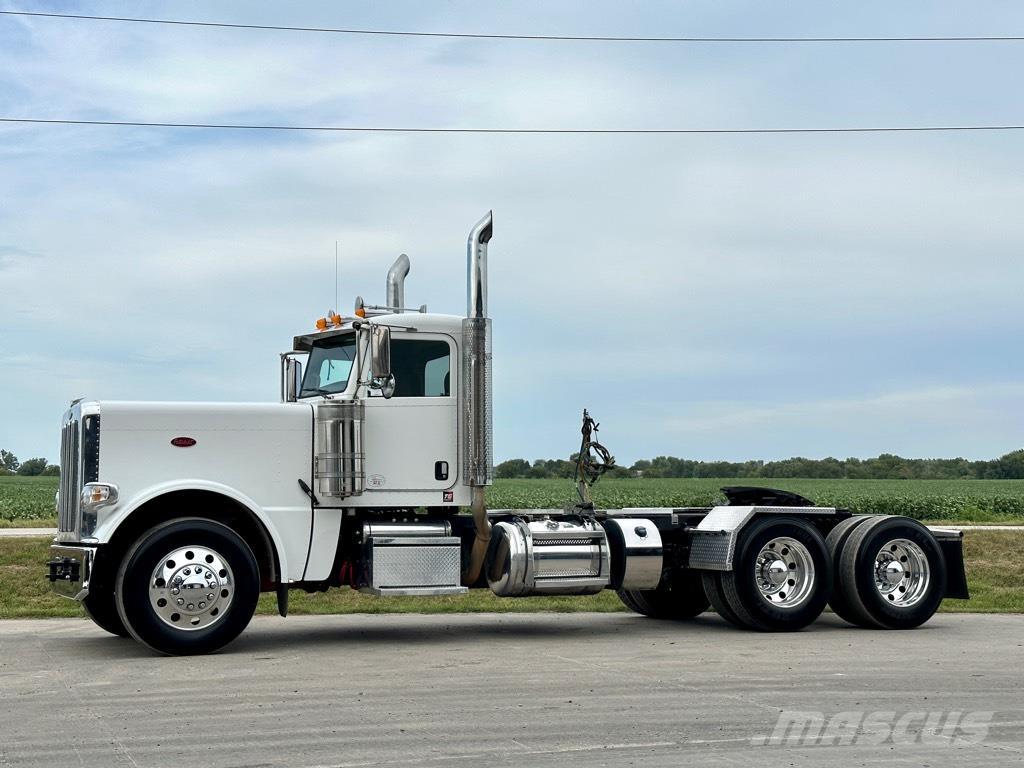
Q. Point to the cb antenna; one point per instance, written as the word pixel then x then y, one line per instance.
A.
pixel 335 275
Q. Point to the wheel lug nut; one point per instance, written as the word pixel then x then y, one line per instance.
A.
pixel 209 596
pixel 180 601
pixel 202 605
pixel 190 606
pixel 175 591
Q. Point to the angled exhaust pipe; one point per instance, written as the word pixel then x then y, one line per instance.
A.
pixel 476 267
pixel 478 450
pixel 396 283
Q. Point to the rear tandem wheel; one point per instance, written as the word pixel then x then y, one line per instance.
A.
pixel 781 577
pixel 682 597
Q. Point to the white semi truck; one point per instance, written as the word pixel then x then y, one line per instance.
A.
pixel 370 474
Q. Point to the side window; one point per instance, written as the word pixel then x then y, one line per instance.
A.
pixel 437 377
pixel 421 368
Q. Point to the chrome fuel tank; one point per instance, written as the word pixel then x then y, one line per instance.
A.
pixel 549 557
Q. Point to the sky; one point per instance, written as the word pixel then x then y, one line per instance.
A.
pixel 712 297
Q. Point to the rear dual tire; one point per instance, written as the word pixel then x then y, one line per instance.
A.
pixel 680 598
pixel 781 578
pixel 890 572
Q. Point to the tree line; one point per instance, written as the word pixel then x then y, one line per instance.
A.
pixel 884 467
pixel 9 465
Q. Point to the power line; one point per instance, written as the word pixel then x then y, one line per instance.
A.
pixel 567 38
pixel 596 131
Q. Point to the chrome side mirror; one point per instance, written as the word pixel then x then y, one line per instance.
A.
pixel 386 386
pixel 380 352
pixel 381 377
pixel 291 377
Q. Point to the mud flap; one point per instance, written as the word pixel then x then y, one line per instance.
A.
pixel 952 543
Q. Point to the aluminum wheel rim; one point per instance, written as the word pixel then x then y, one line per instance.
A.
pixel 191 588
pixel 902 573
pixel 784 572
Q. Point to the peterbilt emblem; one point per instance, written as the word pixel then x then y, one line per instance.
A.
pixel 375 481
pixel 183 442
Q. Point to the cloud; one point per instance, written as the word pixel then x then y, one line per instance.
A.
pixel 10 255
pixel 723 281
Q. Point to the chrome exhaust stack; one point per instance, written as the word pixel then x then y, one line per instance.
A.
pixel 396 283
pixel 477 426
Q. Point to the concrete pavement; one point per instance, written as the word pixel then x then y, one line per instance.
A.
pixel 21 533
pixel 524 690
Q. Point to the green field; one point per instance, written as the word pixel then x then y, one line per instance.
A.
pixel 977 500
pixel 25 500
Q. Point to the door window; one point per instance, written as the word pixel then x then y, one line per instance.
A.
pixel 422 368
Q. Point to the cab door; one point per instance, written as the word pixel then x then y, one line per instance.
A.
pixel 410 440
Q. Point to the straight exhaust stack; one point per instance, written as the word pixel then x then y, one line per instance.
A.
pixel 478 457
pixel 396 283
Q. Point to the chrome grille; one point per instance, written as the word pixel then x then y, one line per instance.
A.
pixel 70 478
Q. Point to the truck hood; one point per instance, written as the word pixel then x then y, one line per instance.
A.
pixel 253 452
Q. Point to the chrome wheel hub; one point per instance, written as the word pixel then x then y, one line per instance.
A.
pixel 901 572
pixel 191 588
pixel 784 572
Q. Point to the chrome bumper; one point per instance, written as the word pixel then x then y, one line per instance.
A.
pixel 69 570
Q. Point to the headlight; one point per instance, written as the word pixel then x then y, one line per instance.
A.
pixel 94 496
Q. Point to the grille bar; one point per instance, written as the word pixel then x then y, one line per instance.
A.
pixel 70 485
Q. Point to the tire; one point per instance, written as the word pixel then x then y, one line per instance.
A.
pixel 187 587
pixel 903 594
pixel 835 541
pixel 680 598
pixel 782 575
pixel 101 607
pixel 713 589
pixel 100 604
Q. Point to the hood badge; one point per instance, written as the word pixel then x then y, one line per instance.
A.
pixel 183 442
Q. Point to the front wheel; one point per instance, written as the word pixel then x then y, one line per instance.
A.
pixel 189 586
pixel 102 609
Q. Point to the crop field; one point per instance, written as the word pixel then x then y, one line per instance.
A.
pixel 975 500
pixel 25 500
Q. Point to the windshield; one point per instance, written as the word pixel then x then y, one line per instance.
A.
pixel 329 365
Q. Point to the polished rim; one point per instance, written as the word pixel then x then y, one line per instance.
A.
pixel 191 588
pixel 784 572
pixel 902 573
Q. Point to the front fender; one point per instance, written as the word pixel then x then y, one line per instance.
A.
pixel 295 544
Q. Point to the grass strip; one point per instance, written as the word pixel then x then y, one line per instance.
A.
pixel 995 572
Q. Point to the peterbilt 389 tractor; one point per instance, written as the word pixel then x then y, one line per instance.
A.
pixel 370 474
